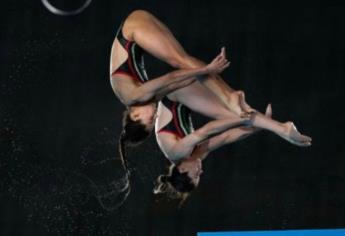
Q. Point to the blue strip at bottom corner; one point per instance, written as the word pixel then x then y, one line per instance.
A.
pixel 316 232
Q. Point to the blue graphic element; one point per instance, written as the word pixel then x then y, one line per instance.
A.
pixel 329 232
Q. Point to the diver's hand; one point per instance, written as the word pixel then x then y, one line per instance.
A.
pixel 219 63
pixel 268 112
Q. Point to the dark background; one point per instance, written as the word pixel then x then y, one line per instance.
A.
pixel 59 120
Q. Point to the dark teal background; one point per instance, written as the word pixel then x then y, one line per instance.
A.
pixel 59 120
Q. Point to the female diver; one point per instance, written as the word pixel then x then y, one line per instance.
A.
pixel 208 95
pixel 186 148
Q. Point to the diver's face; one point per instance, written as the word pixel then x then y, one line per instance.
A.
pixel 193 167
pixel 146 114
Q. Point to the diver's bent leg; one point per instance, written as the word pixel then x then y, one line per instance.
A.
pixel 201 100
pixel 154 37
pixel 234 100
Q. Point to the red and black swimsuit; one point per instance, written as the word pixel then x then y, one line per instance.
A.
pixel 181 123
pixel 134 65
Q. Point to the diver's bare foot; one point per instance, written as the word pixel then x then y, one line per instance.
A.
pixel 247 115
pixel 243 104
pixel 239 110
pixel 293 136
pixel 268 114
pixel 235 104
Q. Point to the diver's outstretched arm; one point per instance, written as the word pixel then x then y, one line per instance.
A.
pixel 163 85
pixel 286 130
pixel 231 136
pixel 184 147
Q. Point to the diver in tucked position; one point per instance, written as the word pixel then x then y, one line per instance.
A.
pixel 208 95
pixel 186 148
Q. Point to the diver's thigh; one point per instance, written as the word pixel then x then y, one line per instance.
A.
pixel 154 37
pixel 201 100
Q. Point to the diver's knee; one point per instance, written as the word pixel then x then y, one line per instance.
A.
pixel 140 12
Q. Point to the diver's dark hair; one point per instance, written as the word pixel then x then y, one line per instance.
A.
pixel 175 184
pixel 122 151
pixel 134 132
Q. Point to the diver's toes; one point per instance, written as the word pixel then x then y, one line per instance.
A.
pixel 306 138
pixel 306 144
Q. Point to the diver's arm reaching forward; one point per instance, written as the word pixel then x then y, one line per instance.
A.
pixel 183 148
pixel 163 85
